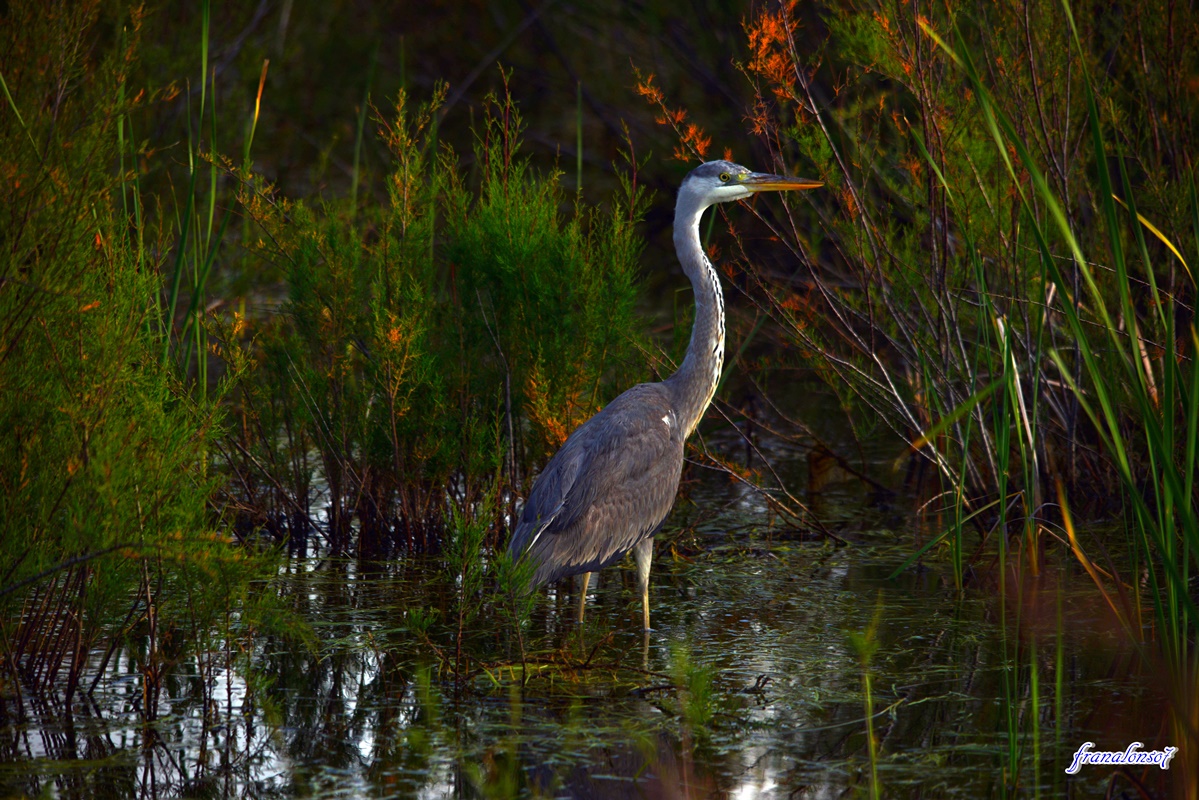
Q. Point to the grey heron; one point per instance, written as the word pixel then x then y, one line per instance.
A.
pixel 606 491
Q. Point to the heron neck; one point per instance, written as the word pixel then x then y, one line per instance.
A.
pixel 694 384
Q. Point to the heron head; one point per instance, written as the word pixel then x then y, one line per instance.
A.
pixel 722 181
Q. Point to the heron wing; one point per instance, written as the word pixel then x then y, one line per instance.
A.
pixel 610 486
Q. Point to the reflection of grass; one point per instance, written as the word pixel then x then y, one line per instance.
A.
pixel 935 695
pixel 866 644
pixel 694 684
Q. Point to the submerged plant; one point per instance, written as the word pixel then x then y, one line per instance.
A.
pixel 865 644
pixel 696 694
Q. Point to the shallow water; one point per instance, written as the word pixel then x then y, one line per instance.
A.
pixel 371 712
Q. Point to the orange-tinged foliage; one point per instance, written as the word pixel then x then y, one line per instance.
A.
pixel 239 323
pixel 693 143
pixel 849 202
pixel 770 35
pixel 540 410
pixel 791 302
pixel 695 140
pixel 646 88
pixel 557 419
pixel 912 164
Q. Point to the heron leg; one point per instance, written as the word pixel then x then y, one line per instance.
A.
pixel 583 597
pixel 643 553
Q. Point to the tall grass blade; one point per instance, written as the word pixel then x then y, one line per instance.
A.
pixel 950 419
pixel 1159 235
pixel 366 101
pixel 177 270
pixel 20 120
pixel 266 62
pixel 579 136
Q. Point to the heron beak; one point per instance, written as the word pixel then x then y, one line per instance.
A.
pixel 765 182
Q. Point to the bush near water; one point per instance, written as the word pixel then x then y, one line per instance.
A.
pixel 197 365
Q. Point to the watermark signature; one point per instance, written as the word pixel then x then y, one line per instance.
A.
pixel 1133 754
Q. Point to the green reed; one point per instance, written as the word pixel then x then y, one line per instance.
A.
pixel 866 644
pixel 110 547
pixel 996 296
pixel 1139 409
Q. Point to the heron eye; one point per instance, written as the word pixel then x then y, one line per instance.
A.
pixel 724 177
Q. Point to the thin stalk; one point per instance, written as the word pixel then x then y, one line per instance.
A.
pixel 579 137
pixel 212 166
pixel 137 204
pixel 366 100
pixel 866 644
pixel 1003 424
pixel 176 272
pixel 871 738
pixel 194 310
pixel 20 120
pixel 209 244
pixel 121 145
pixel 266 62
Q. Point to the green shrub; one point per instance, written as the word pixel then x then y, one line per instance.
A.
pixel 431 353
pixel 106 532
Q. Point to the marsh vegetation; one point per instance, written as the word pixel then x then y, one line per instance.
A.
pixel 289 323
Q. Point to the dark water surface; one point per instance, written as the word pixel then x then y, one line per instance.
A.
pixel 751 685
